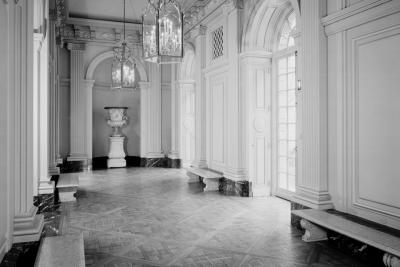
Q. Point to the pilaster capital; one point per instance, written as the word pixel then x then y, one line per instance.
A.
pixel 76 46
pixel 198 31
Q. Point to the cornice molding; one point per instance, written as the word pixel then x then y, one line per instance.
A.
pixel 76 46
pixel 358 14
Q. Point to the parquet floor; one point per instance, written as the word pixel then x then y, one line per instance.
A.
pixel 153 217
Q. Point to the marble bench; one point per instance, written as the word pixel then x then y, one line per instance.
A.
pixel 61 251
pixel 316 221
pixel 67 186
pixel 210 178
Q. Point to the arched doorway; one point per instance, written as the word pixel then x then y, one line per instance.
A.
pixel 98 83
pixel 270 25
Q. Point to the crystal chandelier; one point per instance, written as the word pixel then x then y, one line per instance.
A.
pixel 123 66
pixel 163 32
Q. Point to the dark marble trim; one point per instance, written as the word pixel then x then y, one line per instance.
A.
pixel 234 188
pixel 73 166
pixel 100 163
pixel 160 163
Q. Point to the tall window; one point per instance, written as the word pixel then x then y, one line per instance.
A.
pixel 286 107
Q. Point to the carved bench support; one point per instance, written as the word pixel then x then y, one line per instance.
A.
pixel 313 232
pixel 212 184
pixel 391 261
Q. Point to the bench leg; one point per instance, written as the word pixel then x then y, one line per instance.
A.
pixel 67 194
pixel 391 261
pixel 211 184
pixel 313 232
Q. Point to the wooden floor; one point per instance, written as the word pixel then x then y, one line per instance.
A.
pixel 153 217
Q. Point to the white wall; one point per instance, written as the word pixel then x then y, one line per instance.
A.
pixel 363 78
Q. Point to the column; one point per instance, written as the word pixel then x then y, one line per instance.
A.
pixel 78 102
pixel 37 45
pixel 199 34
pixel 27 224
pixel 144 99
pixel 88 87
pixel 175 116
pixel 54 157
pixel 46 186
pixel 154 149
pixel 312 177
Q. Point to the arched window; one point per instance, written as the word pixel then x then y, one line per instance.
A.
pixel 286 39
pixel 285 118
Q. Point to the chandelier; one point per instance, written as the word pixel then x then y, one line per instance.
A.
pixel 163 32
pixel 123 66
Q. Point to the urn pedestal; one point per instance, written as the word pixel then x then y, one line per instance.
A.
pixel 118 119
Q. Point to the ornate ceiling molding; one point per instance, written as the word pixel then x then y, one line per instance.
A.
pixel 203 8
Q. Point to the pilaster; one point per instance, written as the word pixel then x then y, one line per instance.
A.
pixel 175 116
pixel 144 99
pixel 235 133
pixel 53 107
pixel 312 180
pixel 27 224
pixel 199 34
pixel 78 102
pixel 154 149
pixel 88 89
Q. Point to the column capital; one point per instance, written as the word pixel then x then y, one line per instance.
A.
pixel 76 46
pixel 197 31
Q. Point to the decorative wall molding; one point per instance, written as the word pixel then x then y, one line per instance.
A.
pixel 110 54
pixel 358 14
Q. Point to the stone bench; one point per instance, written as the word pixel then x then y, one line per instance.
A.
pixel 67 186
pixel 61 251
pixel 210 178
pixel 316 221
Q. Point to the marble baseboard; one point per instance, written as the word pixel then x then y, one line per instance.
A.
pixel 233 188
pixel 21 254
pixel 73 166
pixel 174 163
pixel 294 219
pixel 154 162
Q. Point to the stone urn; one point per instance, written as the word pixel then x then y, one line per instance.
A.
pixel 117 120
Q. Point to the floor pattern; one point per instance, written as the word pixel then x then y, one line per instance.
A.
pixel 153 217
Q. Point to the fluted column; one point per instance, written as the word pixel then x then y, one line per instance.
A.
pixel 27 225
pixel 199 34
pixel 144 99
pixel 175 116
pixel 88 85
pixel 54 157
pixel 78 105
pixel 154 149
pixel 312 178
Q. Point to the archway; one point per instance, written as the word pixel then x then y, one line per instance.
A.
pixel 260 40
pixel 98 81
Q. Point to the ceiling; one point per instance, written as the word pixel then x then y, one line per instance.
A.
pixel 112 10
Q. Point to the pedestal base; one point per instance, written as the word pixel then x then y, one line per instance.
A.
pixel 116 156
pixel 116 163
